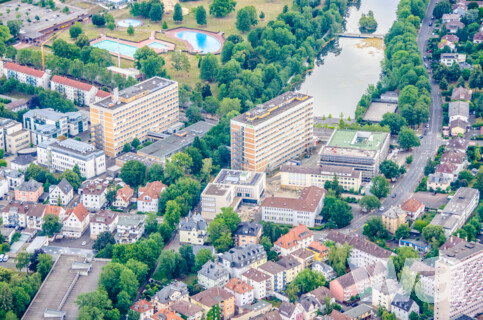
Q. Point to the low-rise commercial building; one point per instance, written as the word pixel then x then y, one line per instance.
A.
pixel 213 274
pixel 27 75
pixel 297 238
pixel 130 228
pixel 61 194
pixel 104 221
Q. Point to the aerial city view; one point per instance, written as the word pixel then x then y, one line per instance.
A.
pixel 241 159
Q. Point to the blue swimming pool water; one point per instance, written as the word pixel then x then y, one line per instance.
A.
pixel 125 49
pixel 129 22
pixel 200 41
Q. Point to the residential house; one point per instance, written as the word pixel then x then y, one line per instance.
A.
pixel 93 193
pixel 449 58
pixel 76 221
pixel 298 237
pixel 239 259
pixel 320 250
pixel 187 310
pixel 193 229
pixel 462 94
pixel 336 315
pixel 145 309
pixel 148 197
pixel 247 233
pixel 216 296
pixel 213 274
pixel 174 292
pixel 460 9
pixel 383 294
pixel 27 75
pixel 350 284
pixel 325 269
pixel 304 256
pixel 252 311
pixel 454 26
pixel 29 191
pixel 413 208
pixel 457 145
pixel 78 92
pixel 450 17
pixel 425 286
pixel 446 43
pixel 21 163
pixel 55 210
pixel 61 194
pixel 378 272
pixel 17 105
pixel 101 94
pixel 360 312
pixel 260 281
pixel 14 215
pixel 166 314
pixel 123 197
pixel 393 218
pixel 310 305
pixel 456 158
pixel 478 37
pixel 290 311
pixel 458 127
pixel 272 315
pixel 104 221
pixel 35 217
pixel 292 267
pixel 451 37
pixel 130 228
pixel 243 292
pixel 437 181
pixel 277 275
pixel 447 168
pixel 7 233
pixel 402 306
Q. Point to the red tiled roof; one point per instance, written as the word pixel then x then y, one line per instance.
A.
pixel 294 236
pixel 317 246
pixel 53 210
pixel 142 306
pixel 80 212
pixel 71 83
pixel 152 190
pixel 165 314
pixel 308 200
pixel 125 193
pixel 102 94
pixel 412 205
pixel 24 69
pixel 238 286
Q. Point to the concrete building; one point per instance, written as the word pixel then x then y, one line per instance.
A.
pixel 12 136
pixel 35 217
pixel 78 122
pixel 13 177
pixel 61 193
pixel 413 208
pixel 104 221
pixel 193 230
pixel 260 281
pixel 304 256
pixel 123 197
pixel 130 228
pixel 151 105
pixel 174 292
pixel 292 267
pixel 247 233
pixel 243 292
pixel 229 189
pixel 298 237
pixel 76 221
pixel 393 218
pixel 239 259
pixel 78 92
pixel 15 214
pixel 29 191
pixel 298 177
pixel 425 286
pixel 216 297
pixel 458 210
pixel 383 294
pixel 62 155
pixel 390 96
pixel 302 210
pixel 25 74
pixel 458 286
pixel 213 274
pixel 403 306
pixel 361 150
pixel 163 149
pixel 290 311
pixel 276 273
pixel 283 128
pixel 93 193
pixel 350 285
pixel 148 197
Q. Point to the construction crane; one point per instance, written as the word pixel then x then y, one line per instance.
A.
pixel 42 47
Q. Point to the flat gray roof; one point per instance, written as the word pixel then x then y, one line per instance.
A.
pixel 376 110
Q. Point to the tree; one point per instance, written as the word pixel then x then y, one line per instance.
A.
pixel 178 13
pixel 171 264
pixel 4 33
pixel 337 212
pixel 266 243
pixel 389 169
pixel 380 187
pixel 180 61
pixel 337 258
pixel 272 230
pixel 245 19
pixel 103 240
pixel 172 213
pixel 370 202
pixel 82 41
pixel 75 30
pixel 443 84
pixel 407 138
pixel 479 180
pixel 187 254
pixel 430 167
pixel 44 264
pixel 98 20
pixel 394 120
pixel 201 16
pixel 14 27
pixel 153 66
pixel 135 143
pixel 22 260
pixel 73 178
pixel 419 225
pixel 403 253
pixel 156 173
pixel 367 23
pixel 51 224
pixel 133 173
pixel 209 67
pixel 304 282
pixel 435 235
pixel 156 12
pixel 227 105
pixel 403 231
pixel 221 8
pixel 441 8
pixel 374 229
pixel 262 15
pixel 409 159
pixel 130 30
pixel 165 25
pixel 202 257
pixel 127 148
pixel 96 305
pixel 111 26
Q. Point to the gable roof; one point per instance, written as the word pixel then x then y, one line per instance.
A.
pixel 271 267
pixel 459 108
pixel 166 314
pixel 142 306
pixel 412 205
pixel 351 278
pixel 80 212
pixel 152 190
pixel 238 286
pixel 30 186
pixel 336 315
pixel 37 211
pixel 65 186
pixel 318 247
pixel 287 309
pixel 248 229
pixel 71 83
pixel 294 236
pixel 102 94
pixel 461 93
pixel 186 308
pixel 125 193
pixel 255 275
pixel 56 210
pixel 24 69
pixel 164 295
pixel 288 262
pixel 359 243
pixel 402 302
pixel 212 296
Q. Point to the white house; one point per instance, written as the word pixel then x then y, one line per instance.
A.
pixel 130 228
pixel 449 58
pixel 123 197
pixel 14 215
pixel 213 274
pixel 35 217
pixel 14 178
pixel 243 292
pixel 148 197
pixel 104 221
pixel 23 74
pixel 93 194
pixel 403 306
pixel 76 221
pixel 78 92
pixel 21 163
pixel 61 194
pixel 145 309
pixel 260 281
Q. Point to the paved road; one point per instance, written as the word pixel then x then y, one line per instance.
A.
pixel 429 144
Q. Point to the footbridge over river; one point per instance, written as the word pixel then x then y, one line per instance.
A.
pixel 361 35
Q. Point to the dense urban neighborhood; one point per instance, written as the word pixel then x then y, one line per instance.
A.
pixel 189 160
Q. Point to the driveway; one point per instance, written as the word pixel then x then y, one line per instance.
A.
pixel 76 243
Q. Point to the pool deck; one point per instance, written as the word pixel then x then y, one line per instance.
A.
pixel 139 44
pixel 218 36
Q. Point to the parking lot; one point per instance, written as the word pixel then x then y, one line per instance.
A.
pixel 76 243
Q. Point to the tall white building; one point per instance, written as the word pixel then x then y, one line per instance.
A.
pixel 61 155
pixel 12 136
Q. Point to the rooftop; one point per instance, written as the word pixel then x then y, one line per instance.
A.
pixel 322 170
pixel 238 177
pixel 177 288
pixel 248 229
pixel 186 308
pixel 411 205
pixel 272 267
pixel 15 104
pixel 47 113
pixel 213 270
pixel 376 111
pixel 359 243
pixel 71 83
pixel 362 140
pixel 104 217
pixel 71 146
pixel 213 189
pixel 255 275
pixel 272 108
pixel 308 200
pixel 212 296
pixel 30 186
pixel 23 160
pixel 357 312
pixel 238 286
pixel 459 108
pixel 460 201
pixel 461 251
pixel 295 235
pixel 131 219
pixel 24 69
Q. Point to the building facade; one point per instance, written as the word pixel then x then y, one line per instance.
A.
pixel 25 74
pixel 12 136
pixel 130 228
pixel 78 92
pixel 148 197
pixel 239 259
pixel 299 237
pixel 61 194
pixel 93 194
pixel 104 221
pixel 29 191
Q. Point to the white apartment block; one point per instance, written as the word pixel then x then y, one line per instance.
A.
pixel 151 105
pixel 61 194
pixel 130 228
pixel 267 136
pixel 104 221
pixel 93 194
pixel 458 285
pixel 25 74
pixel 78 92
pixel 12 136
pixel 148 197
pixel 213 274
pixel 61 155
pixel 260 281
pixel 243 292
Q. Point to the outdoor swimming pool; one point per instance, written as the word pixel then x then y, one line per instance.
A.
pixel 129 22
pixel 124 49
pixel 200 41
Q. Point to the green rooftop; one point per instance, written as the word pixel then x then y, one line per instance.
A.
pixel 357 139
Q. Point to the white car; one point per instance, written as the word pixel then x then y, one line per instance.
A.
pixel 83 243
pixel 5 258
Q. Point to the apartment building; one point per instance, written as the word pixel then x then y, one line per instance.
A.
pixel 384 293
pixel 151 105
pixel 78 92
pixel 17 105
pixel 276 273
pixel 22 162
pixel 60 155
pixel 145 309
pixel 12 136
pixel 298 237
pixel 272 133
pixel 350 284
pixel 216 297
pixel 292 267
pixel 14 215
pixel 320 251
pixel 130 228
pixel 302 210
pixel 148 197
pixel 35 217
pixel 93 193
pixel 361 150
pixel 193 230
pixel 103 221
pixel 187 310
pixel 77 123
pixel 29 191
pixel 27 75
pixel 247 233
pixel 458 210
pixel 76 221
pixel 239 259
pixel 458 285
pixel 229 189
pixel 260 281
pixel 402 306
pixel 393 218
pixel 298 177
pixel 213 274
pixel 13 177
pixel 61 193
pixel 123 197
pixel 413 208
pixel 425 286
pixel 243 292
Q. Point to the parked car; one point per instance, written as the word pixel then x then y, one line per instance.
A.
pixel 1 257
pixel 5 258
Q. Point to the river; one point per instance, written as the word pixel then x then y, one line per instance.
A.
pixel 346 66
